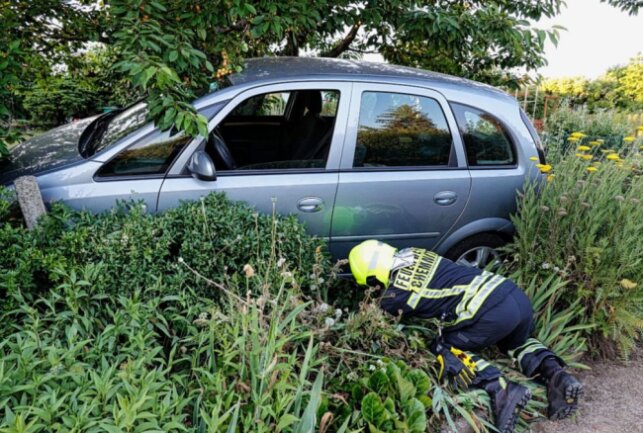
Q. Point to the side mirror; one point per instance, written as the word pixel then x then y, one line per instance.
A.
pixel 201 166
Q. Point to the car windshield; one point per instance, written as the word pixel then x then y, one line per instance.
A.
pixel 116 127
pixel 110 127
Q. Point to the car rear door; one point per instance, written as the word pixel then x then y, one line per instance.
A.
pixel 305 191
pixel 403 176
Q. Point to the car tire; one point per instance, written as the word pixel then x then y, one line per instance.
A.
pixel 477 251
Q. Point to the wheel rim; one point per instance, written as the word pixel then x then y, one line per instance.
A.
pixel 479 257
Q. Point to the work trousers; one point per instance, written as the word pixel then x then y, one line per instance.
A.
pixel 509 325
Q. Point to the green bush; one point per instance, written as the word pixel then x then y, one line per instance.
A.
pixel 136 249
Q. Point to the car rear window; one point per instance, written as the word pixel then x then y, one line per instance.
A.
pixel 485 139
pixel 401 130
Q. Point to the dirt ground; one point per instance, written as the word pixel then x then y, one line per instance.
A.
pixel 612 403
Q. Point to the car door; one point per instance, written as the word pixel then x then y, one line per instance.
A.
pixel 403 176
pixel 273 177
pixel 131 165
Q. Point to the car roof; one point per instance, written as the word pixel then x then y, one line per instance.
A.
pixel 272 69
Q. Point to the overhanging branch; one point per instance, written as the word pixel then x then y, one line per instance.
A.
pixel 344 44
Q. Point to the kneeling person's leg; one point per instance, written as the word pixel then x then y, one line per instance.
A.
pixel 536 359
pixel 507 398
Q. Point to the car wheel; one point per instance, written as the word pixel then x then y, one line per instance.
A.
pixel 478 251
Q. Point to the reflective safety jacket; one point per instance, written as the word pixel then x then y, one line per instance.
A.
pixel 427 285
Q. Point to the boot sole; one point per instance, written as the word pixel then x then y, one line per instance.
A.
pixel 572 394
pixel 520 403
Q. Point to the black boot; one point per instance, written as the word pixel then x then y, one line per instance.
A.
pixel 563 389
pixel 507 400
pixel 563 392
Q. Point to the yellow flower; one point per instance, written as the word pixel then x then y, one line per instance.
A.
pixel 613 157
pixel 629 139
pixel 544 168
pixel 586 157
pixel 550 177
pixel 578 134
pixel 640 128
pixel 628 284
pixel 534 158
pixel 600 140
pixel 596 163
pixel 592 169
pixel 594 143
pixel 573 138
pixel 583 148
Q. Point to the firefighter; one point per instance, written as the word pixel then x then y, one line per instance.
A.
pixel 476 309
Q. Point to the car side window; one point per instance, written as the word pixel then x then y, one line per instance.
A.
pixel 485 139
pixel 151 155
pixel 268 104
pixel 276 131
pixel 401 130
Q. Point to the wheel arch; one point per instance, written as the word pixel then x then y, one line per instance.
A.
pixel 498 226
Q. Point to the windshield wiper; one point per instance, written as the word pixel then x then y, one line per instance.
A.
pixel 94 132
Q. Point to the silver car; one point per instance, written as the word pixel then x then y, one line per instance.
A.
pixel 356 150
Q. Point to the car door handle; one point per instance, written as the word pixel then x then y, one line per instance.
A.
pixel 310 204
pixel 445 198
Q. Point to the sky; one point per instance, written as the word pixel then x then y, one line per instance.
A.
pixel 598 36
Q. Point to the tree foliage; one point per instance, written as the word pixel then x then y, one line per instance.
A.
pixel 620 87
pixel 86 86
pixel 173 50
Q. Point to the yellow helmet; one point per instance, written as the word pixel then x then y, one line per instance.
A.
pixel 371 259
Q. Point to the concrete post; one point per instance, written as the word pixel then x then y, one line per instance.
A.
pixel 30 200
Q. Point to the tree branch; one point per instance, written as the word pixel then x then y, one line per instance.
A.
pixel 343 45
pixel 292 45
pixel 238 26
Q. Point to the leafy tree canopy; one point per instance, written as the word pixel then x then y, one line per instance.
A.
pixel 620 87
pixel 171 50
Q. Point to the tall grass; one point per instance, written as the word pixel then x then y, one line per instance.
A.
pixel 585 226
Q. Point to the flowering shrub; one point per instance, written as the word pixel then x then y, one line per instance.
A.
pixel 566 128
pixel 585 225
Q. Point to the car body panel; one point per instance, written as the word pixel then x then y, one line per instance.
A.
pixel 279 192
pixel 77 188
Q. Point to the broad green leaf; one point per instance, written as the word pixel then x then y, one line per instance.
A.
pixel 373 410
pixel 415 416
pixel 378 381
